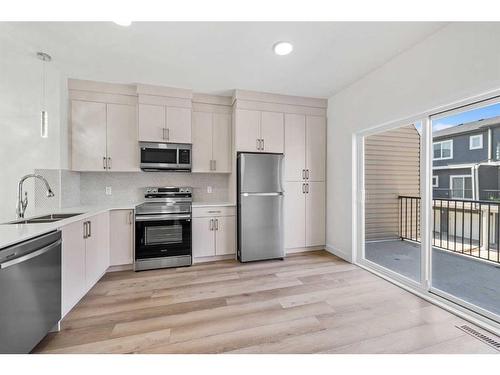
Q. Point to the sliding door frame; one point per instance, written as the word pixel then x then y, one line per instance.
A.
pixel 423 288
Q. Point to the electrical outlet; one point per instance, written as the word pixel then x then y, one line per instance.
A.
pixel 108 190
pixel 209 189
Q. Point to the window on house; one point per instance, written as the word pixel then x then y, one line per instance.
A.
pixel 461 187
pixel 435 181
pixel 443 150
pixel 476 142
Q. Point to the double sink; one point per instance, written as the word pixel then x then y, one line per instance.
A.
pixel 44 219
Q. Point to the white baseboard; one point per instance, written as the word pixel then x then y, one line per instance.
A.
pixel 122 267
pixel 213 258
pixel 341 254
pixel 303 249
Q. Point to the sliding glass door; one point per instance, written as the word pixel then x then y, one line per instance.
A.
pixel 465 254
pixel 429 212
pixel 392 201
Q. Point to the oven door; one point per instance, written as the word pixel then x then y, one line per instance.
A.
pixel 162 235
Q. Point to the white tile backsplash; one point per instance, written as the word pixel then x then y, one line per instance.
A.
pixel 89 188
pixel 129 186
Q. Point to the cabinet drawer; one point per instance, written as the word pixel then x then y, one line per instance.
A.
pixel 214 211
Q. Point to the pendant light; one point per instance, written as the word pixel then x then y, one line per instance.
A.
pixel 44 116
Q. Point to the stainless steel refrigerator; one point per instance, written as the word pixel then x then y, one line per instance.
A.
pixel 260 206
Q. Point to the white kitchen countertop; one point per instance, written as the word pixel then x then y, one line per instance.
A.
pixel 11 234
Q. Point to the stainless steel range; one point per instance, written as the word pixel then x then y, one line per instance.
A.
pixel 163 228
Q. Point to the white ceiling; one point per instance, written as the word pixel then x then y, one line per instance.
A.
pixel 218 57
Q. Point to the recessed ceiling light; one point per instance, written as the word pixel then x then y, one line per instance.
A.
pixel 282 48
pixel 123 22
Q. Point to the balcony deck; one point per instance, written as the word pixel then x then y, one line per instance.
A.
pixel 475 281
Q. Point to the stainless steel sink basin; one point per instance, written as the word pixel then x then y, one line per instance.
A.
pixel 44 219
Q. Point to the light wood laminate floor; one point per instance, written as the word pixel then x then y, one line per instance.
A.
pixel 309 303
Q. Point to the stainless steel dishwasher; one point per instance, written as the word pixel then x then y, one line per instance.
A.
pixel 30 292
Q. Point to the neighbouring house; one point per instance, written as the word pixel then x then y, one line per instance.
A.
pixel 466 161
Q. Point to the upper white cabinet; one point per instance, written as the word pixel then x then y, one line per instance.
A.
pixel 164 114
pixel 305 147
pixel 259 131
pixel 122 150
pixel 164 124
pixel 152 123
pixel 178 125
pixel 88 120
pixel 211 142
pixel 272 132
pixel 221 142
pixel 315 148
pixel 103 127
pixel 104 137
pixel 295 147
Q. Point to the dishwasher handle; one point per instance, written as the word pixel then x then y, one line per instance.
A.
pixel 31 255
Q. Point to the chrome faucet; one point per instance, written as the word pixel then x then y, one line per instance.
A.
pixel 23 203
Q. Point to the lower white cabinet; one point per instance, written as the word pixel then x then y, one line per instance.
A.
pixel 213 235
pixel 97 249
pixel 73 265
pixel 121 239
pixel 304 214
pixel 85 257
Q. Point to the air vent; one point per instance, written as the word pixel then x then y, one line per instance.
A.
pixel 480 336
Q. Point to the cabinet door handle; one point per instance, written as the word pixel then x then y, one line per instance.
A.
pixel 258 144
pixel 303 188
pixel 263 144
pixel 307 174
pixel 109 162
pixel 216 224
pixel 84 229
pixel 130 217
pixel 168 134
pixel 90 228
pixel 303 174
pixel 211 224
pixel 104 166
pixel 307 188
pixel 215 165
pixel 214 212
pixel 163 133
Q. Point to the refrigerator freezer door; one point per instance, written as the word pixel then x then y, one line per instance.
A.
pixel 260 173
pixel 260 227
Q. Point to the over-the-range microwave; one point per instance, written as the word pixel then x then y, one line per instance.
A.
pixel 156 157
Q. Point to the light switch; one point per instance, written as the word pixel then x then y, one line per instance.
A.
pixel 108 190
pixel 209 189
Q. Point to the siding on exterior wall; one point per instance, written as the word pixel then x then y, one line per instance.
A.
pixel 392 168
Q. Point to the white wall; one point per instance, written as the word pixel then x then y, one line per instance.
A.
pixel 459 61
pixel 21 147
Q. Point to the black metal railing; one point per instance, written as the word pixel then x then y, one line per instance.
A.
pixel 459 225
